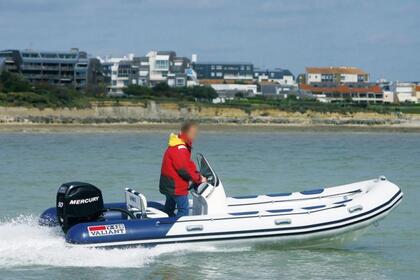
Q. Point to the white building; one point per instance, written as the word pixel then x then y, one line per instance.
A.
pixel 165 66
pixel 279 76
pixel 389 96
pixel 342 74
pixel 232 89
pixel 405 92
pixel 418 93
pixel 119 72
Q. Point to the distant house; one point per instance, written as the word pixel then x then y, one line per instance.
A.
pixel 232 90
pixel 332 84
pixel 281 91
pixel 389 96
pixel 405 92
pixel 119 73
pixel 164 64
pixel 342 74
pixel 156 67
pixel 280 76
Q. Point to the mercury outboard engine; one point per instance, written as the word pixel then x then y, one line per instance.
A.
pixel 78 202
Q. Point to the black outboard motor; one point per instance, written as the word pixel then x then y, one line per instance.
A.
pixel 78 202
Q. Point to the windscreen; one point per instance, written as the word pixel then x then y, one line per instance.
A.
pixel 206 170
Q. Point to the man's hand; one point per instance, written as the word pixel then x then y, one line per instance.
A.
pixel 203 179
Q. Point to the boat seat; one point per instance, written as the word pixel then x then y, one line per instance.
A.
pixel 137 204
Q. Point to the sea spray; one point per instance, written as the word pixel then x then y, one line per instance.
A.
pixel 24 243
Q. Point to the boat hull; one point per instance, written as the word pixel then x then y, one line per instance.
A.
pixel 317 217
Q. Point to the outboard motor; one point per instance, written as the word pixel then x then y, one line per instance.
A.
pixel 78 202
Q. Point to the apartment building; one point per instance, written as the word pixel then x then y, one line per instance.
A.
pixel 333 84
pixel 120 72
pixel 224 71
pixel 166 66
pixel 71 67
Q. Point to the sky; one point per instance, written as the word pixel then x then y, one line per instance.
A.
pixel 381 37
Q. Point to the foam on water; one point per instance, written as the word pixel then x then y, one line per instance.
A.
pixel 24 243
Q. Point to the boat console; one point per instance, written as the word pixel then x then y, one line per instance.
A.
pixel 208 198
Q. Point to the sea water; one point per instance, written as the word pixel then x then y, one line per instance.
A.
pixel 32 166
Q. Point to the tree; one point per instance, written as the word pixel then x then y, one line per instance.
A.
pixel 201 92
pixel 11 82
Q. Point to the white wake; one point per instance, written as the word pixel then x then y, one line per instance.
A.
pixel 24 243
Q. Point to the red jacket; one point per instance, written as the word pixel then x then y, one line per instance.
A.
pixel 178 170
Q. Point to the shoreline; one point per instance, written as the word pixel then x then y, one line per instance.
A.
pixel 219 127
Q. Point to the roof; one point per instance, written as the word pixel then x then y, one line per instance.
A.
pixel 342 88
pixel 166 53
pixel 335 70
pixel 222 63
pixel 274 73
pixel 141 58
pixel 222 81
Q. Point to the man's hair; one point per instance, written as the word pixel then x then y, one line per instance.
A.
pixel 187 125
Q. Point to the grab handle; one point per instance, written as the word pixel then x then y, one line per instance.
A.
pixel 194 227
pixel 355 208
pixel 279 222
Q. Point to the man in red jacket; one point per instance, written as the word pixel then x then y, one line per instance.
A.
pixel 178 170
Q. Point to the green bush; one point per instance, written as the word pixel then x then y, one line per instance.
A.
pixel 162 90
pixel 10 82
pixel 141 91
pixel 18 92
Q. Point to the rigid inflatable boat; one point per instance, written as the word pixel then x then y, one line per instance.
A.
pixel 308 215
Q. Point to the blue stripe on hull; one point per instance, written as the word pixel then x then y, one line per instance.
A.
pixel 134 230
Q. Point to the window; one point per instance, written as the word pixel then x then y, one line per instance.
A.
pixel 30 55
pixel 162 64
pixel 219 74
pixel 180 82
pixel 49 55
pixel 212 74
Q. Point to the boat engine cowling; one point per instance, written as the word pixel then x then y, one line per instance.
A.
pixel 78 202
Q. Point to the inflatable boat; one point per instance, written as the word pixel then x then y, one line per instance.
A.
pixel 308 215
